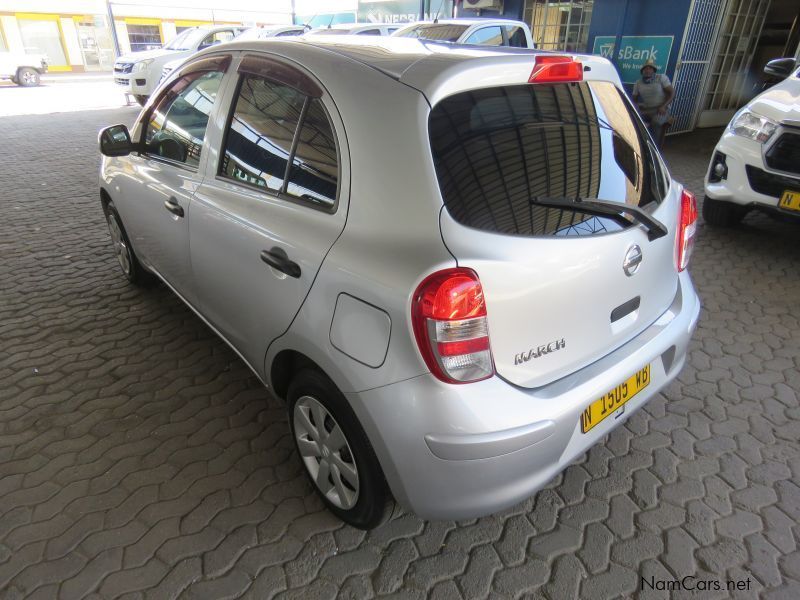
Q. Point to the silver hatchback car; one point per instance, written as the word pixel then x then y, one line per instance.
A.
pixel 460 267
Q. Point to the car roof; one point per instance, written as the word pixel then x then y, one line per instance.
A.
pixel 434 68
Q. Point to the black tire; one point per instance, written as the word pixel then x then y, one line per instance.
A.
pixel 142 100
pixel 718 213
pixel 126 257
pixel 27 77
pixel 373 500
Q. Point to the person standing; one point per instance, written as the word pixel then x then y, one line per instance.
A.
pixel 652 93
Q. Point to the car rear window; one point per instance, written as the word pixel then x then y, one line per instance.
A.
pixel 500 151
pixel 443 32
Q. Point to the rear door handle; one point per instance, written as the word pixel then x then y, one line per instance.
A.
pixel 277 258
pixel 172 206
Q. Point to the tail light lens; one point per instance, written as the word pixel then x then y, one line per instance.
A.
pixel 555 69
pixel 687 227
pixel 448 314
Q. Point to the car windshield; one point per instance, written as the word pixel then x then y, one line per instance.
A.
pixel 443 32
pixel 186 40
pixel 505 155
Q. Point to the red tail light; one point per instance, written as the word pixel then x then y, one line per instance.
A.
pixel 448 313
pixel 687 227
pixel 555 69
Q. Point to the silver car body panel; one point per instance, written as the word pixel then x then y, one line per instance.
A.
pixel 448 451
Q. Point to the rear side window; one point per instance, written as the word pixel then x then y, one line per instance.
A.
pixel 274 125
pixel 500 151
pixel 486 36
pixel 516 36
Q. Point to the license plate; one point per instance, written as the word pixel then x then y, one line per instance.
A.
pixel 790 200
pixel 615 399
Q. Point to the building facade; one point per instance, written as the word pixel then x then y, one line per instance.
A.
pixel 713 50
pixel 76 35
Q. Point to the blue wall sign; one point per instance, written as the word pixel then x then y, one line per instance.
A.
pixel 633 52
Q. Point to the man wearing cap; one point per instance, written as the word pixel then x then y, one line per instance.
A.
pixel 652 93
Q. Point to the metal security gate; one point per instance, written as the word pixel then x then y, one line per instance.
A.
pixel 694 57
pixel 727 81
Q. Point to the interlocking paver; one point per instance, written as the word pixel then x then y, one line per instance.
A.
pixel 140 458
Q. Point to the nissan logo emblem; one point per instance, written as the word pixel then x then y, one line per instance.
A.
pixel 633 258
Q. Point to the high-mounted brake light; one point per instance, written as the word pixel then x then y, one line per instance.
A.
pixel 555 69
pixel 687 227
pixel 448 313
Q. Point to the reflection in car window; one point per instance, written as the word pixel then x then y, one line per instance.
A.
pixel 260 139
pixel 177 124
pixel 261 132
pixel 497 151
pixel 315 171
pixel 486 36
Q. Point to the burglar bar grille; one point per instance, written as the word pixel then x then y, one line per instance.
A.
pixel 693 59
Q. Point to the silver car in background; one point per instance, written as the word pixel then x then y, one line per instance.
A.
pixel 453 342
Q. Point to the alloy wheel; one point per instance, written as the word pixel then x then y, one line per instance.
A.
pixel 120 247
pixel 326 452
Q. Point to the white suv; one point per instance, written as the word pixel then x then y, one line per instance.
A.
pixel 140 72
pixel 22 69
pixel 461 337
pixel 756 164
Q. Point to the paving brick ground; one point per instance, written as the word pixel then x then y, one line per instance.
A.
pixel 139 457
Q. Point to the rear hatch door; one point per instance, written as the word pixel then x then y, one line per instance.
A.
pixel 563 286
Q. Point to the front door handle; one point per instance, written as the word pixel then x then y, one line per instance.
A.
pixel 172 206
pixel 278 259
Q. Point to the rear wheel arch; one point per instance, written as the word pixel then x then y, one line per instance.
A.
pixel 284 367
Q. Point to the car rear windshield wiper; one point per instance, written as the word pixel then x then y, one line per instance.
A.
pixel 607 208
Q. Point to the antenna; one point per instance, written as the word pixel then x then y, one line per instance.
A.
pixel 436 18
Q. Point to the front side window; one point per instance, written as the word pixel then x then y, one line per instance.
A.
pixel 370 32
pixel 501 153
pixel 176 126
pixel 217 38
pixel 263 138
pixel 486 36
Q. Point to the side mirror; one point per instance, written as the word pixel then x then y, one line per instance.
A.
pixel 116 141
pixel 780 67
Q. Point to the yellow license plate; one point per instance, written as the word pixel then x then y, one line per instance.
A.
pixel 790 200
pixel 612 401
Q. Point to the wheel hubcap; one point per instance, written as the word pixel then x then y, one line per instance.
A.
pixel 28 77
pixel 120 247
pixel 326 452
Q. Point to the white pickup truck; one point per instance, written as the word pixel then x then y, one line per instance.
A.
pixel 140 72
pixel 22 69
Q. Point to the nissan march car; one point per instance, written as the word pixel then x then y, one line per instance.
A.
pixel 756 163
pixel 453 342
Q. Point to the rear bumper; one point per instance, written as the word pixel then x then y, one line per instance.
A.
pixel 456 452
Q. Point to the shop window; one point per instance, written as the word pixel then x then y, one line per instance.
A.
pixel 144 37
pixel 42 36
